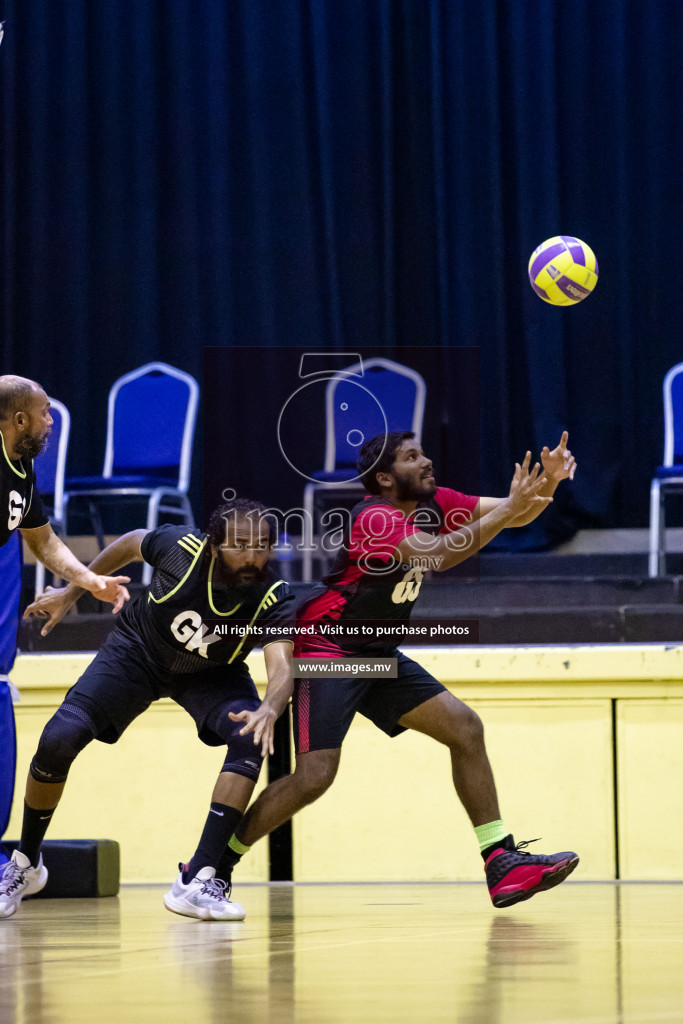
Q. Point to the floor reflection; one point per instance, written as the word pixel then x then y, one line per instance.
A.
pixel 598 954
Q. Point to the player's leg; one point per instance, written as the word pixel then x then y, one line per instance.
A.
pixel 449 721
pixel 112 691
pixel 229 800
pixel 66 734
pixel 313 774
pixel 201 890
pixel 322 713
pixel 231 794
pixel 62 739
pixel 512 875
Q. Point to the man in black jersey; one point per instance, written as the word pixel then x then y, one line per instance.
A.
pixel 25 423
pixel 168 643
pixel 377 577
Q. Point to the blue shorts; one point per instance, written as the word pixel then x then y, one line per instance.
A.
pixel 324 707
pixel 121 682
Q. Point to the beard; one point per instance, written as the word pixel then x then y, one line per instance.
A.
pixel 31 445
pixel 408 490
pixel 242 582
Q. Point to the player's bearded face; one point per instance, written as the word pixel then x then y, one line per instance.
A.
pixel 413 473
pixel 243 556
pixel 414 478
pixel 408 488
pixel 31 445
pixel 39 424
pixel 246 574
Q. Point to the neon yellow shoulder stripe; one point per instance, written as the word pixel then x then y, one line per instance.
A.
pixel 191 540
pixel 256 615
pixel 160 600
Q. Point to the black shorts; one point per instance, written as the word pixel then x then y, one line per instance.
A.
pixel 324 708
pixel 120 683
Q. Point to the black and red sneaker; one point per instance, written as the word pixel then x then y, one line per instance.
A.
pixel 513 875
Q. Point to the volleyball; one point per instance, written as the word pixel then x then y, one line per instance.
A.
pixel 563 270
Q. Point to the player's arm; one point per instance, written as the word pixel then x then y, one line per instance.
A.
pixel 558 464
pixel 56 556
pixel 261 722
pixel 450 549
pixel 55 603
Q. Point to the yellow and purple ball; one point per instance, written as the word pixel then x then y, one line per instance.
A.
pixel 563 270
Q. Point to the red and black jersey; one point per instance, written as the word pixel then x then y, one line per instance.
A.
pixel 366 583
pixel 20 504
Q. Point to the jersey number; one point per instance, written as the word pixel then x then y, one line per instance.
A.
pixel 409 587
pixel 16 509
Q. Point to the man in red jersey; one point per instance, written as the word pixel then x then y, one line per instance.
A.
pixel 377 577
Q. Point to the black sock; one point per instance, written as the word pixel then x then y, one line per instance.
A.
pixel 220 825
pixel 33 831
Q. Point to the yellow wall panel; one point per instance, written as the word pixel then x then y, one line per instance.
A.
pixel 650 792
pixel 392 812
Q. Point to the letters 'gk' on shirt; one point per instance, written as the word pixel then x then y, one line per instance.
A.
pixel 175 621
pixel 20 504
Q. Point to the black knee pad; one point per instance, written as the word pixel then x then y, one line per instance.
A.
pixel 65 735
pixel 243 757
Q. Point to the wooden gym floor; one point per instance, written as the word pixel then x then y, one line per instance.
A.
pixel 586 953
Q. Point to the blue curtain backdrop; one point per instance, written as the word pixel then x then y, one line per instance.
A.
pixel 187 173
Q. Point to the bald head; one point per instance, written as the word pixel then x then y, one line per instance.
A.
pixel 16 395
pixel 25 419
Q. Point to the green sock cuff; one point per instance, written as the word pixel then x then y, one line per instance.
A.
pixel 236 846
pixel 489 834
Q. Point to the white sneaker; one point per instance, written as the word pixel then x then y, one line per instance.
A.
pixel 19 879
pixel 204 896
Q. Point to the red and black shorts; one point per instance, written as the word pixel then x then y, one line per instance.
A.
pixel 323 708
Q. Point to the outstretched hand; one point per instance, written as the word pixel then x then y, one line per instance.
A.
pixel 559 464
pixel 262 723
pixel 110 589
pixel 526 486
pixel 52 604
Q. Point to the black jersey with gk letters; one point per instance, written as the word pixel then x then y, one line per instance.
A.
pixel 177 619
pixel 20 504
